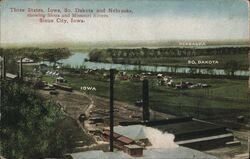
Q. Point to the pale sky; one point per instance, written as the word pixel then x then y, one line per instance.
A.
pixel 152 20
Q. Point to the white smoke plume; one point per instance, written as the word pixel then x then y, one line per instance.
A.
pixel 159 139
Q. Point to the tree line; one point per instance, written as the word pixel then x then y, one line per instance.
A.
pixel 37 54
pixel 109 54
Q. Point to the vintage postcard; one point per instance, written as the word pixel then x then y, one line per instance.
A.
pixel 127 79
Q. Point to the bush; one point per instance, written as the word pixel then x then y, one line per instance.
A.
pixel 28 124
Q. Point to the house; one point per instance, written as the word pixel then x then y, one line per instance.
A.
pixel 134 132
pixel 133 150
pixel 106 134
pixel 122 141
pixel 135 77
pixel 119 140
pixel 26 60
pixel 60 80
pixel 171 83
pixel 159 75
pixel 11 76
pixel 181 85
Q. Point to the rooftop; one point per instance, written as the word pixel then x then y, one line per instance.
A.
pixel 125 140
pixel 115 135
pixel 153 153
pixel 11 76
pixel 135 132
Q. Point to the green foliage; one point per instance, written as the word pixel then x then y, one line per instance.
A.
pixel 98 55
pixel 231 67
pixel 28 124
pixel 53 55
pixel 174 56
pixel 36 54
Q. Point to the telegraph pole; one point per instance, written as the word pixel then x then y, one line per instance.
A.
pixel 111 111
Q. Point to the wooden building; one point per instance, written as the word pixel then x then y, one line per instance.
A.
pixel 133 150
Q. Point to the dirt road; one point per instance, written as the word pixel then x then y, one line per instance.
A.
pixel 76 103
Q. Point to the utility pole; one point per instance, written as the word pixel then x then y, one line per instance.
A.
pixel 21 69
pixel 3 74
pixel 111 111
pixel 145 101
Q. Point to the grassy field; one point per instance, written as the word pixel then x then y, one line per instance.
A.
pixel 226 96
pixel 227 88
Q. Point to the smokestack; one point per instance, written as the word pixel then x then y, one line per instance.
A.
pixel 111 111
pixel 145 101
pixel 21 69
pixel 3 72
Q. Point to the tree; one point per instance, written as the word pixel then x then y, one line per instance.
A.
pixel 54 55
pixel 231 67
pixel 27 124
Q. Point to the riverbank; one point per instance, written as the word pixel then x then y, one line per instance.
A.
pixel 78 60
pixel 216 57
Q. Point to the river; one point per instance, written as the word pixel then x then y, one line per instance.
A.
pixel 77 59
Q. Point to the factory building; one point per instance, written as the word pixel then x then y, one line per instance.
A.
pixel 150 153
pixel 188 132
pixel 119 140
